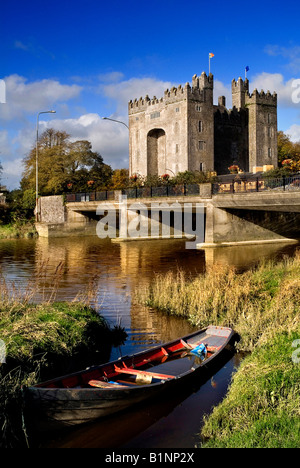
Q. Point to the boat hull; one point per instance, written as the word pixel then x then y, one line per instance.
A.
pixel 52 407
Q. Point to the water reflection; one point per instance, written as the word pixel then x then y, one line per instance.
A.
pixel 117 269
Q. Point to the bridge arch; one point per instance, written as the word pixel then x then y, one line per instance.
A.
pixel 156 151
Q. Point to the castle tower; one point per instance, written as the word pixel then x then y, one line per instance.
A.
pixel 201 124
pixel 174 133
pixel 262 108
pixel 239 90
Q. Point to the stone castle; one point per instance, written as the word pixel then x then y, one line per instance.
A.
pixel 184 130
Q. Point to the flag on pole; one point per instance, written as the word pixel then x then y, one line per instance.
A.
pixel 246 70
pixel 210 55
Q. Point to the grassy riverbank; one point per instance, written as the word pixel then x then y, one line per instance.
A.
pixel 42 341
pixel 257 303
pixel 18 230
pixel 262 408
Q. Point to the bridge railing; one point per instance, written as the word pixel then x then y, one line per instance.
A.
pixel 241 185
pixel 237 185
pixel 136 192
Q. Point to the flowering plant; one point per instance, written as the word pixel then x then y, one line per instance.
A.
pixel 287 162
pixel 165 177
pixel 234 168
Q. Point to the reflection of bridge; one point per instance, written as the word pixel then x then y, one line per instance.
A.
pixel 230 217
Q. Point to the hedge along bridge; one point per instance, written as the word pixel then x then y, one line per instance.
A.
pixel 238 210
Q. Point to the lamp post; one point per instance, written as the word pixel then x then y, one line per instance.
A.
pixel 119 121
pixel 123 123
pixel 37 159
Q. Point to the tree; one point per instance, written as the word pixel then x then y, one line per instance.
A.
pixel 120 179
pixel 287 149
pixel 64 165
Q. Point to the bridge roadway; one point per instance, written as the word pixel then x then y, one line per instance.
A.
pixel 270 216
pixel 266 201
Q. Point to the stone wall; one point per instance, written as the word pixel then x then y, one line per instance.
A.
pixel 52 209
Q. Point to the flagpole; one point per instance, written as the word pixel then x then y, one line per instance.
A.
pixel 210 55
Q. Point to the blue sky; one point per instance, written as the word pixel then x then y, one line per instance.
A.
pixel 86 59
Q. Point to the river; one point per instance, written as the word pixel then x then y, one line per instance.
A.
pixel 64 268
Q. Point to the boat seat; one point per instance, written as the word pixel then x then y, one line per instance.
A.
pixel 102 384
pixel 155 375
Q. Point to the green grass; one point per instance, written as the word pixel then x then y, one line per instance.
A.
pixel 17 230
pixel 256 303
pixel 262 408
pixel 42 341
pixel 58 328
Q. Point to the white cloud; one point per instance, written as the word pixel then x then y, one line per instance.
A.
pixel 23 97
pixel 220 89
pixel 110 139
pixel 128 90
pixel 292 54
pixel 293 132
pixel 111 77
pixel 275 82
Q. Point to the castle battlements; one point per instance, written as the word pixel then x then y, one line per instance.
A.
pixel 240 85
pixel 173 95
pixel 228 115
pixel 170 95
pixel 262 97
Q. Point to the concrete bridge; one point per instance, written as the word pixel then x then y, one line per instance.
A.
pixel 204 219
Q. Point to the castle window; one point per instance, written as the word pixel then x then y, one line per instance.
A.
pixel 176 148
pixel 155 115
pixel 200 126
pixel 269 118
pixel 137 118
pixel 177 109
pixel 201 145
pixel 198 108
pixel 270 152
pixel 201 167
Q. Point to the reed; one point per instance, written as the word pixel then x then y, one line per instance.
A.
pixel 262 407
pixel 44 339
pixel 256 303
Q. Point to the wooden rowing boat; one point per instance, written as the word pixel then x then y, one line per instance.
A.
pixel 102 390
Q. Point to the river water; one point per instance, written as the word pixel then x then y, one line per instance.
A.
pixel 64 268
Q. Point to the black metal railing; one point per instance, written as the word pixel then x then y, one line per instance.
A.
pixel 240 185
pixel 136 192
pixel 235 186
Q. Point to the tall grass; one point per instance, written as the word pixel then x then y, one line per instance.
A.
pixel 45 339
pixel 18 230
pixel 256 303
pixel 262 408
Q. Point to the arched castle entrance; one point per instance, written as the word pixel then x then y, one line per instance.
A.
pixel 156 151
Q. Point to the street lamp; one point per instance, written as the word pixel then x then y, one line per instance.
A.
pixel 113 120
pixel 37 167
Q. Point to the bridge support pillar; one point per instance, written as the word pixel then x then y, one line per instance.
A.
pixel 226 227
